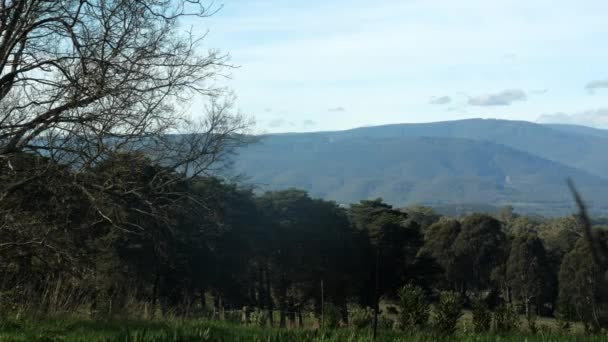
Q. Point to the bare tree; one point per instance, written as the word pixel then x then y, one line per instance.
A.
pixel 84 78
pixel 85 81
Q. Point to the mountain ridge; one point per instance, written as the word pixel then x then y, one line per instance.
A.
pixel 434 165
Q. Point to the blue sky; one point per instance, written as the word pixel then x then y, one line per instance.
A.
pixel 326 65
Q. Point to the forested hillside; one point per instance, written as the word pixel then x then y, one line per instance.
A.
pixel 499 162
pixel 570 145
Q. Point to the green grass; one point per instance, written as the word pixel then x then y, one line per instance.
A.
pixel 194 330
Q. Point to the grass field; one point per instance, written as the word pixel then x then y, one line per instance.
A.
pixel 193 330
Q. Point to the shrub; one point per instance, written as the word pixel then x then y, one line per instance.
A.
pixel 563 324
pixel 331 316
pixel 545 330
pixel 361 318
pixel 532 324
pixel 447 313
pixel 233 316
pixel 414 309
pixel 505 319
pixel 385 322
pixel 482 316
pixel 259 318
pixel 392 310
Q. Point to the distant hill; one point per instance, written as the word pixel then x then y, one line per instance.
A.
pixel 490 162
pixel 576 146
pixel 582 130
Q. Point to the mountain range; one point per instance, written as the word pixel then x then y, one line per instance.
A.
pixel 476 161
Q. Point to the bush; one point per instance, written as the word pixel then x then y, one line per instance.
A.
pixel 331 316
pixel 482 316
pixel 233 316
pixel 385 322
pixel 392 310
pixel 545 330
pixel 447 313
pixel 532 324
pixel 505 319
pixel 361 318
pixel 259 318
pixel 563 324
pixel 414 309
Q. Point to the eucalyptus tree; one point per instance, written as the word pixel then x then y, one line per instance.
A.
pixel 528 272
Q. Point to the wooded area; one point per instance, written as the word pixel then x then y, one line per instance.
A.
pixel 220 247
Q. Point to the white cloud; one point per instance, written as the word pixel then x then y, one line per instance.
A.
pixel 276 123
pixel 597 84
pixel 595 118
pixel 504 98
pixel 441 100
pixel 308 123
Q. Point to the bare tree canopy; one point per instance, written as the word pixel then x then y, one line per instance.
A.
pixel 81 79
pixel 94 119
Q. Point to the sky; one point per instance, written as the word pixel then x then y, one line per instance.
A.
pixel 339 64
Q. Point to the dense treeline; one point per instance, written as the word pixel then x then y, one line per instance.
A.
pixel 158 245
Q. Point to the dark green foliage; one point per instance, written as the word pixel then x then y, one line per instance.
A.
pixel 468 251
pixel 414 308
pixel 389 245
pixel 385 322
pixel 259 318
pixel 532 323
pixel 563 324
pixel 559 237
pixel 481 316
pixel 527 271
pixel 447 312
pixel 479 248
pixel 439 244
pixel 331 316
pixel 582 290
pixel 361 318
pixel 422 215
pixel 312 244
pixel 506 319
pixel 197 330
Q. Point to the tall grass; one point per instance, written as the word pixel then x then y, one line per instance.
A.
pixel 197 330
